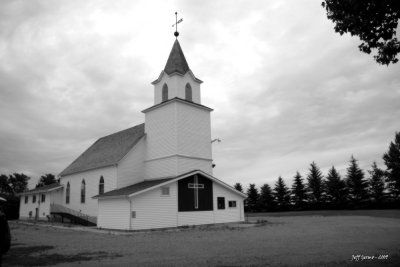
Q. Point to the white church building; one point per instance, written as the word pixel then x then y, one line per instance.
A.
pixel 157 174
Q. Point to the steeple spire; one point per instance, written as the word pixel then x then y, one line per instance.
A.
pixel 176 61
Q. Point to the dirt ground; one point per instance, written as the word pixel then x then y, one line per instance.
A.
pixel 294 240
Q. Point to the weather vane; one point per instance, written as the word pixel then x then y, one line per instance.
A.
pixel 176 24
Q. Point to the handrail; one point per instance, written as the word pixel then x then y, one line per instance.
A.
pixel 56 208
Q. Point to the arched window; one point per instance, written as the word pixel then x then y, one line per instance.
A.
pixel 83 191
pixel 188 92
pixel 164 92
pixel 101 185
pixel 67 192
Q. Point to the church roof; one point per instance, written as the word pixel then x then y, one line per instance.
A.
pixel 42 189
pixel 131 189
pixel 176 61
pixel 147 185
pixel 106 151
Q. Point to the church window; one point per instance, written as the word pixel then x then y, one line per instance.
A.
pixel 188 92
pixel 26 199
pixel 34 199
pixel 83 191
pixel 43 197
pixel 101 185
pixel 232 204
pixel 164 92
pixel 221 203
pixel 67 194
pixel 165 191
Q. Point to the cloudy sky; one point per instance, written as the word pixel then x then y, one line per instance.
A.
pixel 285 88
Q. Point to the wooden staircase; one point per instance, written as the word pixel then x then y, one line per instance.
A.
pixel 73 215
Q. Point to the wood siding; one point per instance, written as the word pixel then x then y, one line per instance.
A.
pixel 176 87
pixel 178 140
pixel 43 207
pixel 92 179
pixel 154 210
pixel 228 214
pixel 131 167
pixel 114 214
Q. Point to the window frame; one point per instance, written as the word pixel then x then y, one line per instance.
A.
pixel 26 199
pixel 164 93
pixel 34 199
pixel 188 92
pixel 220 203
pixel 67 193
pixel 83 192
pixel 101 185
pixel 232 204
pixel 165 191
pixel 43 198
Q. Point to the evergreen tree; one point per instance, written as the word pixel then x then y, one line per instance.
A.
pixel 299 192
pixel 5 187
pixel 392 162
pixel 46 179
pixel 376 183
pixel 356 183
pixel 266 200
pixel 282 194
pixel 315 184
pixel 252 198
pixel 335 188
pixel 238 187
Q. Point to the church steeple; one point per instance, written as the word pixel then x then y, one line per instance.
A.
pixel 176 61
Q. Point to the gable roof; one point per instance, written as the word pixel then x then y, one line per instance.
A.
pixel 42 189
pixel 148 185
pixel 128 190
pixel 176 61
pixel 106 151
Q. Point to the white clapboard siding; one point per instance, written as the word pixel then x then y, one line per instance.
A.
pixel 193 131
pixel 92 179
pixel 131 167
pixel 186 164
pixel 228 214
pixel 176 87
pixel 161 168
pixel 154 210
pixel 195 217
pixel 160 129
pixel 114 214
pixel 54 196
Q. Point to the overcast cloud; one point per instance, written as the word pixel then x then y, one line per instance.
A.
pixel 286 90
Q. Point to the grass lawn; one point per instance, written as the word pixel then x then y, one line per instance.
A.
pixel 285 240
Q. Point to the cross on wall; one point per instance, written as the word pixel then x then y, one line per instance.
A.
pixel 196 186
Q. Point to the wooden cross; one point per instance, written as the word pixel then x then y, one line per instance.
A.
pixel 196 186
pixel 176 24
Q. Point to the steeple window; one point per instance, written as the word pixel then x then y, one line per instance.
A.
pixel 165 92
pixel 188 92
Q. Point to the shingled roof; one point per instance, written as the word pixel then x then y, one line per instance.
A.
pixel 106 151
pixel 42 189
pixel 131 189
pixel 176 61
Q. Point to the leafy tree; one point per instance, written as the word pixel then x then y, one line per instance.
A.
pixel 18 182
pixel 252 198
pixel 376 183
pixel 266 200
pixel 373 21
pixel 46 180
pixel 335 187
pixel 392 162
pixel 356 183
pixel 315 184
pixel 238 187
pixel 299 192
pixel 282 194
pixel 5 187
